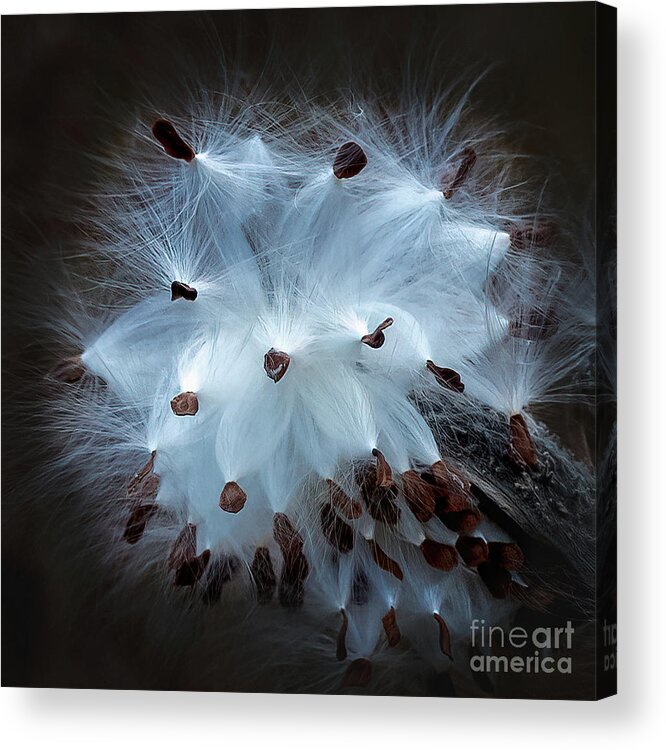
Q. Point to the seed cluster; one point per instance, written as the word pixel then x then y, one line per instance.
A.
pixel 379 520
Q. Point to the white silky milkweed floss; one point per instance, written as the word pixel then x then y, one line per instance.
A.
pixel 292 304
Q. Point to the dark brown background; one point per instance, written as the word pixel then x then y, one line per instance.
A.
pixel 63 77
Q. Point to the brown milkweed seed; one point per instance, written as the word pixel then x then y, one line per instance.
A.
pixel 455 176
pixel 472 549
pixel 232 498
pixel 349 161
pixel 384 561
pixel 185 404
pixel 440 556
pixel 192 570
pixel 145 483
pixel 419 495
pixel 341 643
pixel 136 523
pixel 452 489
pixel 522 452
pixel 339 499
pixel 263 574
pixel 171 142
pixel 69 370
pixel 461 521
pixel 276 364
pixel 384 473
pixel 377 338
pixel 390 624
pixel 446 377
pixel 185 546
pixel 338 534
pixel 444 636
pixel 220 572
pixel 507 555
pixel 179 290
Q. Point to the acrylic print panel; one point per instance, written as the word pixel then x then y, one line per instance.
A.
pixel 308 324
